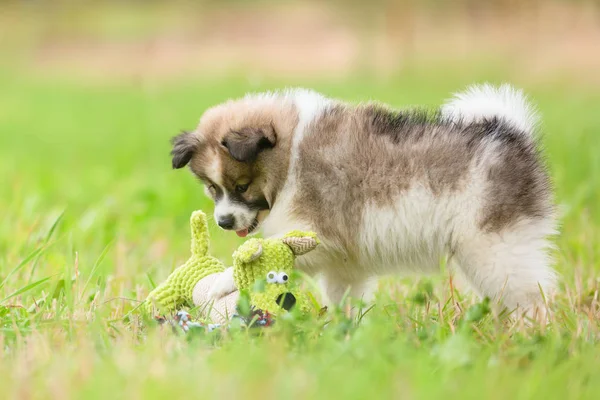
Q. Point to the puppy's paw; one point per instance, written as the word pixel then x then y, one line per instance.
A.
pixel 223 285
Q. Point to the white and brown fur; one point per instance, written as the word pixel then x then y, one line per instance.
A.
pixel 387 191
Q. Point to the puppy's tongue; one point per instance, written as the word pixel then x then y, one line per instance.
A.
pixel 242 233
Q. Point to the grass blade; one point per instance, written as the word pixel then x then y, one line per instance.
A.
pixel 27 288
pixel 24 262
pixel 49 235
pixel 94 268
pixel 54 226
pixel 152 283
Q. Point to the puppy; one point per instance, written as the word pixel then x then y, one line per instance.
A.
pixel 388 191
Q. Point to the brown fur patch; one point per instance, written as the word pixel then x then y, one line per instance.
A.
pixel 519 185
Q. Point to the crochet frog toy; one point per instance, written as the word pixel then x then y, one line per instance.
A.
pixel 261 267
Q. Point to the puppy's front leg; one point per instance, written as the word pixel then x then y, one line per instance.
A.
pixel 334 287
pixel 223 285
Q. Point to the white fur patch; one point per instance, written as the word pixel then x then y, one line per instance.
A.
pixel 213 170
pixel 413 234
pixel 310 106
pixel 485 101
pixel 512 266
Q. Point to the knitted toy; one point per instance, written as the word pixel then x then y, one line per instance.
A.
pixel 261 267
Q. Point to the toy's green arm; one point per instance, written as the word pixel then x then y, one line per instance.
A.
pixel 168 296
pixel 199 228
pixel 177 290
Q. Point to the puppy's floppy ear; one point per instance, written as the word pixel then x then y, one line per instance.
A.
pixel 184 146
pixel 245 145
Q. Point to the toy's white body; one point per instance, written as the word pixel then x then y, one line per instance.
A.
pixel 216 311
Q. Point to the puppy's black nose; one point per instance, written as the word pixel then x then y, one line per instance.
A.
pixel 226 221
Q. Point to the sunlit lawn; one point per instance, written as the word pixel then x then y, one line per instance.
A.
pixel 92 215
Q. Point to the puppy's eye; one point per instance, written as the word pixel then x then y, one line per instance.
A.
pixel 272 277
pixel 282 278
pixel 241 188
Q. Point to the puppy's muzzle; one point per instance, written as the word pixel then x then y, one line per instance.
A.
pixel 226 221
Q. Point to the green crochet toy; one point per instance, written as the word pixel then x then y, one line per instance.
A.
pixel 262 267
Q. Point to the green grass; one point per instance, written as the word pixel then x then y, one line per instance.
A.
pixel 91 214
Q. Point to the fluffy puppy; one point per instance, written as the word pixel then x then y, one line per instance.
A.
pixel 388 191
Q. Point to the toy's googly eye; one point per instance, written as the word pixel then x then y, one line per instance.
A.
pixel 282 277
pixel 272 277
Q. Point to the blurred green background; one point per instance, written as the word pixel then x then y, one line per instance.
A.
pixel 92 214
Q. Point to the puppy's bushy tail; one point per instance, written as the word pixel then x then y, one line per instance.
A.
pixel 485 102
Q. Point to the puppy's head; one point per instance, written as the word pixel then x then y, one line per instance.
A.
pixel 237 151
